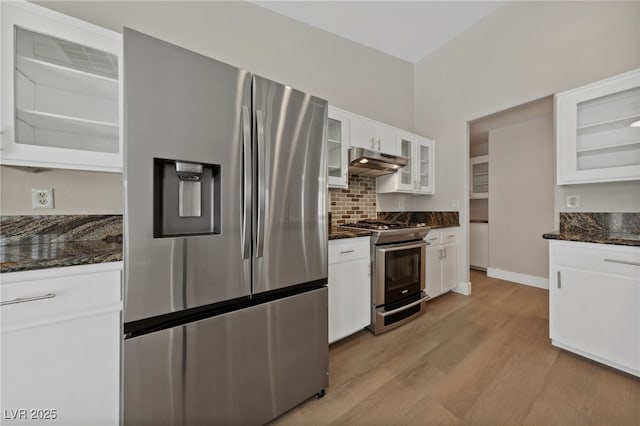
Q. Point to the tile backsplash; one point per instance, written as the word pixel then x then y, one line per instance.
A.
pixel 356 203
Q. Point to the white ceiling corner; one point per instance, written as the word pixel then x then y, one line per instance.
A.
pixel 408 30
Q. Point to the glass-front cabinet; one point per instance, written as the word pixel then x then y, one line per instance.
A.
pixel 60 91
pixel 479 177
pixel 337 148
pixel 417 176
pixel 598 131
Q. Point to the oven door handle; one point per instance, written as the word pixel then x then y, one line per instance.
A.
pixel 395 311
pixel 404 246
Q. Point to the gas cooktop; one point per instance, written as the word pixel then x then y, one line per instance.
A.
pixel 383 225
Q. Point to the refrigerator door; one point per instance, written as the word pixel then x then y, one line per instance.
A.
pixel 185 107
pixel 244 367
pixel 290 180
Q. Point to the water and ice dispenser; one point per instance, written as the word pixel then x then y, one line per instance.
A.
pixel 186 198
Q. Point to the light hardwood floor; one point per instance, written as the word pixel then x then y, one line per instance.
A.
pixel 485 359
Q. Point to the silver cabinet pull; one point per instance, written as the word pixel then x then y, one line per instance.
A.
pixel 379 143
pixel 623 262
pixel 28 299
pixel 373 143
pixel 444 250
pixel 433 239
pixel 559 280
pixel 452 235
pixel 346 251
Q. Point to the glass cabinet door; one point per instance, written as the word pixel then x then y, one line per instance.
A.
pixel 407 180
pixel 598 131
pixel 425 166
pixel 61 91
pixel 66 94
pixel 605 136
pixel 479 177
pixel 337 147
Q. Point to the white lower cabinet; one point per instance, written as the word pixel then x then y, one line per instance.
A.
pixel 594 300
pixel 349 287
pixel 61 346
pixel 441 273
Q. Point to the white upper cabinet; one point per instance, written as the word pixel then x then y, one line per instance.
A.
pixel 598 131
pixel 337 148
pixel 417 176
pixel 479 177
pixel 60 91
pixel 369 134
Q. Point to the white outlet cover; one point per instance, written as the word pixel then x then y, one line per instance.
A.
pixel 573 201
pixel 455 204
pixel 42 198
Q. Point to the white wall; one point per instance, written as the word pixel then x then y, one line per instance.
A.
pixel 521 171
pixel 522 52
pixel 74 191
pixel 349 75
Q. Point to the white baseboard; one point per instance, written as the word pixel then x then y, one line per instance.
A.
pixel 518 278
pixel 463 288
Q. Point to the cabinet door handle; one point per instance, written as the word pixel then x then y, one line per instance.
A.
pixel 379 145
pixel 346 251
pixel 433 239
pixel 444 250
pixel 373 143
pixel 559 280
pixel 623 262
pixel 28 299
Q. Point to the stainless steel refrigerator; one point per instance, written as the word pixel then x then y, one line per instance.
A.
pixel 225 317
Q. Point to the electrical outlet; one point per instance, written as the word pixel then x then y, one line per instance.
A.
pixel 42 198
pixel 573 201
pixel 455 204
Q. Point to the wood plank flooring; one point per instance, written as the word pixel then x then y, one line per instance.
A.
pixel 485 359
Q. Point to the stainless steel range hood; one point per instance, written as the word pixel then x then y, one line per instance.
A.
pixel 365 162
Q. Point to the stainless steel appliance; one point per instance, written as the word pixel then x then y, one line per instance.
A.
pixel 398 266
pixel 366 162
pixel 225 316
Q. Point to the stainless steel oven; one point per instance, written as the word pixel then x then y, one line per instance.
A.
pixel 398 283
pixel 398 268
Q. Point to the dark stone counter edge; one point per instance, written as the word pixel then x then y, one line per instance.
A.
pixel 478 221
pixel 339 234
pixel 58 263
pixel 597 239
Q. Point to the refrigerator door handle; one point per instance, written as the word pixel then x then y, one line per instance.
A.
pixel 261 184
pixel 246 184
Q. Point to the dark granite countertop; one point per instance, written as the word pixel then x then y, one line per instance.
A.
pixel 338 233
pixel 595 227
pixel 27 257
pixel 617 238
pixel 51 241
pixel 478 221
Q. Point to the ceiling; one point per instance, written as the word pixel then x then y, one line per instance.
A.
pixel 408 30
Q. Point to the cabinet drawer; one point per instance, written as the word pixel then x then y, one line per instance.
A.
pixel 434 238
pixel 54 299
pixel 348 249
pixel 449 236
pixel 622 261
